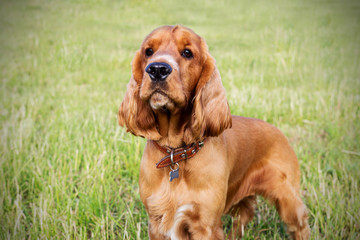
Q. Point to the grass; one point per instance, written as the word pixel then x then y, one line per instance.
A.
pixel 67 171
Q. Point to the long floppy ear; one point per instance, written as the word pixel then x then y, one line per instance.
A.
pixel 135 114
pixel 211 112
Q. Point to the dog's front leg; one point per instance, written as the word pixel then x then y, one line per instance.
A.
pixel 193 222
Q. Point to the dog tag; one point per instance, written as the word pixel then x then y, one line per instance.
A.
pixel 174 174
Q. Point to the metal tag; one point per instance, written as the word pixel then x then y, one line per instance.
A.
pixel 174 174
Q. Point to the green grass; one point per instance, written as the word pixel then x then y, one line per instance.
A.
pixel 67 171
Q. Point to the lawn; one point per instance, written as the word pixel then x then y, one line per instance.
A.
pixel 67 171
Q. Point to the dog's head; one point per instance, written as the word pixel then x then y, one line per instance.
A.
pixel 174 73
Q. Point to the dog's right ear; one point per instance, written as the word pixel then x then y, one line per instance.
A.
pixel 134 114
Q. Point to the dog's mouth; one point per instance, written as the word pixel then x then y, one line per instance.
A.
pixel 160 100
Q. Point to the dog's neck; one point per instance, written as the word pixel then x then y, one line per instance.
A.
pixel 171 127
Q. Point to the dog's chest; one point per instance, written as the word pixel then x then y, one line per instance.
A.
pixel 164 201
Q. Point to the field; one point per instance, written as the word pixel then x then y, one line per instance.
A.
pixel 67 171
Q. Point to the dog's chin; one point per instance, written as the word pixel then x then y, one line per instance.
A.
pixel 160 101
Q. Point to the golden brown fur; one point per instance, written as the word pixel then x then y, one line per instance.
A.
pixel 241 157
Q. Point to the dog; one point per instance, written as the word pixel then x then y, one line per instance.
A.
pixel 200 162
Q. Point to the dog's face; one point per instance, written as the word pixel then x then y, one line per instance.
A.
pixel 173 71
pixel 171 60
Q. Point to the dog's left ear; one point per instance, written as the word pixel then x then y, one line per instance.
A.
pixel 211 112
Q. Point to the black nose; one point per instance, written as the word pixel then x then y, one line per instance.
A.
pixel 158 71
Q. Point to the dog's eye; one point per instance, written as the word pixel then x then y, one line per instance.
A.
pixel 149 52
pixel 187 53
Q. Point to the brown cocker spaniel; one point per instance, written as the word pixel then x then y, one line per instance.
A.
pixel 200 162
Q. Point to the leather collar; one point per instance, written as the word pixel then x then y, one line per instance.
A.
pixel 175 155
